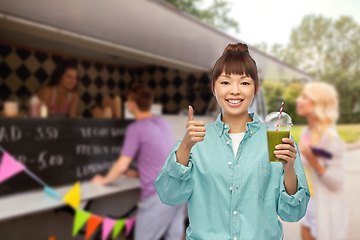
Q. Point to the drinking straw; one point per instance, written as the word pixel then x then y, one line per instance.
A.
pixel 277 126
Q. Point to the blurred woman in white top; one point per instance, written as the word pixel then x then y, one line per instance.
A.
pixel 326 216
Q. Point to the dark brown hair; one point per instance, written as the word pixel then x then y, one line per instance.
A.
pixel 60 71
pixel 235 59
pixel 142 95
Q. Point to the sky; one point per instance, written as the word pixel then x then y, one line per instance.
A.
pixel 271 21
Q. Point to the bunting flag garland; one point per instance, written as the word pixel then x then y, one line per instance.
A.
pixel 129 225
pixel 108 225
pixel 119 225
pixel 73 196
pixel 9 167
pixel 80 219
pixel 93 223
pixel 52 192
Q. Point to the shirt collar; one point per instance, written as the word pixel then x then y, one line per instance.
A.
pixel 251 127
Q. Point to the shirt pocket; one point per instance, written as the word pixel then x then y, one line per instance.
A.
pixel 266 180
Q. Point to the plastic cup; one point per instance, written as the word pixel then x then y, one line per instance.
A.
pixel 276 131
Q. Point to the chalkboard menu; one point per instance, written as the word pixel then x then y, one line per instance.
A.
pixel 60 151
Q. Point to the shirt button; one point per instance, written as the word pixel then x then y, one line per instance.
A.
pixel 227 142
pixel 235 238
pixel 251 132
pixel 234 212
pixel 237 187
pixel 220 132
pixel 230 188
pixel 225 126
pixel 229 163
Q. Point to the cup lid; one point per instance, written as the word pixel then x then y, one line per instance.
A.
pixel 272 118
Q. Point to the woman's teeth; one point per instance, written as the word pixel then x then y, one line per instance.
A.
pixel 234 101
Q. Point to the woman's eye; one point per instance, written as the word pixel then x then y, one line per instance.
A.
pixel 225 83
pixel 245 83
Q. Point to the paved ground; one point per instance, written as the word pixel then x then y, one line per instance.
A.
pixel 292 230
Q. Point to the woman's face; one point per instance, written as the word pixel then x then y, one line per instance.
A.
pixel 69 79
pixel 304 105
pixel 234 93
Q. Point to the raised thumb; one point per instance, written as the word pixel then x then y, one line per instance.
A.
pixel 191 114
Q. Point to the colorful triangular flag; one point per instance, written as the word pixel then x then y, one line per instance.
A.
pixel 73 196
pixel 93 223
pixel 129 225
pixel 108 225
pixel 118 227
pixel 9 167
pixel 52 192
pixel 80 219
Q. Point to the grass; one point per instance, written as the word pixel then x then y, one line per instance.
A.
pixel 350 133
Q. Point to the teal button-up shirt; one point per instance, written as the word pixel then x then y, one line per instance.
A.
pixel 237 198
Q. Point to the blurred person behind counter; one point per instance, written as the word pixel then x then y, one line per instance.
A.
pixel 326 215
pixel 148 140
pixel 61 95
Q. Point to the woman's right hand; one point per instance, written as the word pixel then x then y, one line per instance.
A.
pixel 195 130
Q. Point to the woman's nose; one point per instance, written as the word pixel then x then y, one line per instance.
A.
pixel 235 90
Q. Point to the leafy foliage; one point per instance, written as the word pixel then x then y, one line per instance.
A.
pixel 276 92
pixel 330 50
pixel 216 15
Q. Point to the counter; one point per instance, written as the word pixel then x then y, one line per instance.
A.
pixel 60 152
pixel 36 215
pixel 33 202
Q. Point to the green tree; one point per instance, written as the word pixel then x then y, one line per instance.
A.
pixel 216 15
pixel 277 92
pixel 273 92
pixel 309 43
pixel 330 50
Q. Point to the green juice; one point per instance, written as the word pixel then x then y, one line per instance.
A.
pixel 275 138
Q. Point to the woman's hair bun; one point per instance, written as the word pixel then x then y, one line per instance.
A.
pixel 236 47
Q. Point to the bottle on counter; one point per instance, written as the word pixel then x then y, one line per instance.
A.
pixel 34 106
pixel 43 111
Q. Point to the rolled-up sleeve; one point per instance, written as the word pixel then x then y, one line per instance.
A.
pixel 174 184
pixel 291 208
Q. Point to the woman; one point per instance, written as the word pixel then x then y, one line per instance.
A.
pixel 326 217
pixel 223 170
pixel 61 96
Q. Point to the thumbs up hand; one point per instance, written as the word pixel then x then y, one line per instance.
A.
pixel 195 130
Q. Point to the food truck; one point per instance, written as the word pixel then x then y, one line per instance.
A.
pixel 114 44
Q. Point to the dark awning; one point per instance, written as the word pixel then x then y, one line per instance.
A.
pixel 135 33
